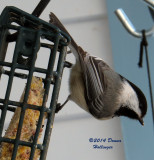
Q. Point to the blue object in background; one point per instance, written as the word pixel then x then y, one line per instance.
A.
pixel 138 140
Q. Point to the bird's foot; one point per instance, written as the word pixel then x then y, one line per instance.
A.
pixel 58 107
pixel 68 64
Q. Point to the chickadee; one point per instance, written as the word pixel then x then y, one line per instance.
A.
pixel 97 89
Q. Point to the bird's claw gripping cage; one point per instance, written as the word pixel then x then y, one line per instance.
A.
pixel 28 30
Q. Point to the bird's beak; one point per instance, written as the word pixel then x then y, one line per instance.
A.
pixel 141 121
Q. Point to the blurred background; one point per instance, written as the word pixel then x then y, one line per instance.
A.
pixel 95 27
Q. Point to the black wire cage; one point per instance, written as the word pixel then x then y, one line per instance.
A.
pixel 27 32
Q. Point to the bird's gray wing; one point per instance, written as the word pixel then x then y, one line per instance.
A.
pixel 94 80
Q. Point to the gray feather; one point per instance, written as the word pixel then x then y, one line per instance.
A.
pixel 100 82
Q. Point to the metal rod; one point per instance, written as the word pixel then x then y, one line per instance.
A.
pixel 40 8
pixel 10 108
pixel 8 91
pixel 150 3
pixel 23 143
pixel 37 12
pixel 50 69
pixel 53 103
pixel 21 119
pixel 25 76
pixel 149 79
pixel 47 88
pixel 129 26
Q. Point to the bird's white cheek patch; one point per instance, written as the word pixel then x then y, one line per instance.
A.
pixel 129 98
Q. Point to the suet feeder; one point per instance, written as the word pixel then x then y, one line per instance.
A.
pixel 27 32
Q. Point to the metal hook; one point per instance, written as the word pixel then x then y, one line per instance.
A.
pixel 139 34
pixel 129 26
pixel 150 3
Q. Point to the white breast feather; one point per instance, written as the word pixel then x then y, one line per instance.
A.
pixel 77 88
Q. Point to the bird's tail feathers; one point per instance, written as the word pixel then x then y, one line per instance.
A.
pixel 55 21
